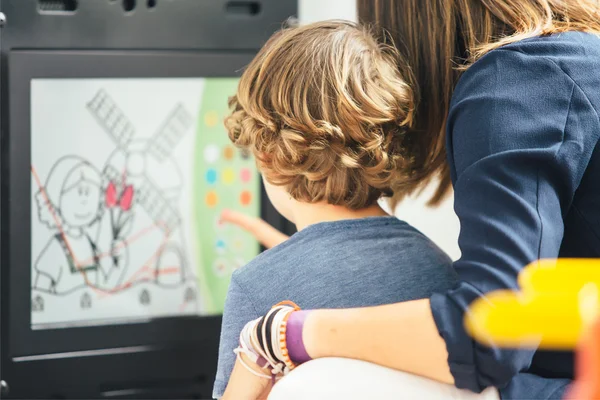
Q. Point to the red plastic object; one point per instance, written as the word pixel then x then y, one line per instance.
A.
pixel 587 383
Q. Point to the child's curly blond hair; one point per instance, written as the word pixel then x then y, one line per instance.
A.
pixel 324 108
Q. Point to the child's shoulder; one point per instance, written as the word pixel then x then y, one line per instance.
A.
pixel 270 262
pixel 348 264
pixel 363 242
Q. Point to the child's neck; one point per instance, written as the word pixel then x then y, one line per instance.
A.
pixel 308 214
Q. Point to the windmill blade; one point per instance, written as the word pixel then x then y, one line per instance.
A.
pixel 153 200
pixel 158 207
pixel 112 174
pixel 170 133
pixel 111 118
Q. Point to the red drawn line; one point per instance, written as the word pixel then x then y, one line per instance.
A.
pixel 59 226
pixel 140 274
pixel 183 305
pixel 51 209
pixel 101 292
pixel 144 268
pixel 168 270
pixel 125 242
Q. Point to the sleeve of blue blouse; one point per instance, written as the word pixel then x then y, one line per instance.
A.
pixel 517 155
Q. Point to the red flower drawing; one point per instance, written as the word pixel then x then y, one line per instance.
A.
pixel 124 202
pixel 126 198
pixel 111 195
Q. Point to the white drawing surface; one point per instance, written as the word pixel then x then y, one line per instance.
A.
pixel 111 194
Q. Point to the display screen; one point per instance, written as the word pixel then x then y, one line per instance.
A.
pixel 128 179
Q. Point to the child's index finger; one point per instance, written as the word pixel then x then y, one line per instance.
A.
pixel 236 218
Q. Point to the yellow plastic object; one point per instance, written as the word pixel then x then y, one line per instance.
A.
pixel 565 275
pixel 558 300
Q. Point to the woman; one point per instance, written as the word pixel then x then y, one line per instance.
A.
pixel 508 114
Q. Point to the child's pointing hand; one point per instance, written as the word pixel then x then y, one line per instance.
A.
pixel 262 231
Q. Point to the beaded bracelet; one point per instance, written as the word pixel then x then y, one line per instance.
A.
pixel 264 341
pixel 283 343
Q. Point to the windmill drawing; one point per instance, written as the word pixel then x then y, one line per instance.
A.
pixel 147 164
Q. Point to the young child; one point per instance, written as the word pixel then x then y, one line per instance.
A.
pixel 324 108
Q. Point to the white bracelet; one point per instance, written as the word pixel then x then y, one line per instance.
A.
pixel 252 371
pixel 250 343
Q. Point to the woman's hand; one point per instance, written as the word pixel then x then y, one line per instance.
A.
pixel 243 385
pixel 262 231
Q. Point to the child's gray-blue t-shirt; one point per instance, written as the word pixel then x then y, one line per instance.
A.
pixel 342 264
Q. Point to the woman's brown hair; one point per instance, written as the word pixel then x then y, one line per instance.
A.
pixel 441 38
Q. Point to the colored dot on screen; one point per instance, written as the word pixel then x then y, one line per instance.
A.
pixel 239 263
pixel 212 199
pixel 211 153
pixel 228 176
pixel 238 244
pixel 211 176
pixel 245 154
pixel 245 175
pixel 220 267
pixel 246 198
pixel 228 153
pixel 220 246
pixel 211 118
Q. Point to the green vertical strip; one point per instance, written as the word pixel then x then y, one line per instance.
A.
pixel 224 178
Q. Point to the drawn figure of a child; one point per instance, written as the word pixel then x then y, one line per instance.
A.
pixel 71 204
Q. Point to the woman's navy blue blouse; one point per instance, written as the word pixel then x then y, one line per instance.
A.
pixel 522 141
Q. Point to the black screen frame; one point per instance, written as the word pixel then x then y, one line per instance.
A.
pixel 26 344
pixel 198 37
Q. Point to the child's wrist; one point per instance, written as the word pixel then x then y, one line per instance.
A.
pixel 294 337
